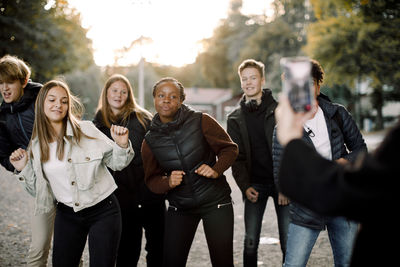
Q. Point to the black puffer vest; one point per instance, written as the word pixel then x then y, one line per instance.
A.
pixel 181 145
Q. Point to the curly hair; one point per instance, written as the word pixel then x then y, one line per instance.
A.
pixel 317 72
pixel 174 81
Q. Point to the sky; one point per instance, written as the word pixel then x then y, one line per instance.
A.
pixel 175 27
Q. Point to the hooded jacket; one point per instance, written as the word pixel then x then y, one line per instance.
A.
pixel 16 123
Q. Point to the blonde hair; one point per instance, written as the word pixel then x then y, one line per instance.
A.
pixel 44 131
pixel 130 105
pixel 251 63
pixel 12 68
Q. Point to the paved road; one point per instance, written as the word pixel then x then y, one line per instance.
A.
pixel 16 205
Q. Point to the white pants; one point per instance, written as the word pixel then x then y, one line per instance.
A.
pixel 42 231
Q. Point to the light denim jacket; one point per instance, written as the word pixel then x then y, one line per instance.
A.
pixel 87 172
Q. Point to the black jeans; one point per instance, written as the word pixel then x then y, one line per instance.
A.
pixel 253 217
pixel 101 222
pixel 151 219
pixel 180 228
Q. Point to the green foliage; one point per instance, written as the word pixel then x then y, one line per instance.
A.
pixel 51 41
pixel 269 44
pixel 282 37
pixel 336 44
pixel 223 48
pixel 355 40
pixel 341 94
pixel 265 39
pixel 189 75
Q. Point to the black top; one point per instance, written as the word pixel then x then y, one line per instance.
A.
pixel 366 192
pixel 261 169
pixel 16 123
pixel 131 190
pixel 239 132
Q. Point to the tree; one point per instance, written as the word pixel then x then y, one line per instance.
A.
pixel 269 44
pixel 51 39
pixel 189 75
pixel 223 48
pixel 283 36
pixel 358 39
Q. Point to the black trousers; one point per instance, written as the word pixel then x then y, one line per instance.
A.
pixel 180 228
pixel 101 223
pixel 149 218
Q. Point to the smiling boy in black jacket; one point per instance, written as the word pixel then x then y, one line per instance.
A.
pixel 251 126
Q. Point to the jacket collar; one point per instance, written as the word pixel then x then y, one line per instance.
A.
pixel 326 105
pixel 35 141
pixel 68 131
pixel 180 117
pixel 30 92
pixel 237 113
pixel 266 97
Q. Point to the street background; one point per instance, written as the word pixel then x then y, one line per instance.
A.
pixel 356 42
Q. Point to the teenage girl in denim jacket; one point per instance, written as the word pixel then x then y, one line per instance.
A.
pixel 67 163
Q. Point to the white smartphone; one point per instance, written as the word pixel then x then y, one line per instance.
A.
pixel 297 82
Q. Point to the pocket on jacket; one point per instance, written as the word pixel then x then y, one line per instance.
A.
pixel 87 166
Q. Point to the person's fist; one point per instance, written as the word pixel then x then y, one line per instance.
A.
pixel 175 178
pixel 19 158
pixel 252 194
pixel 206 171
pixel 120 135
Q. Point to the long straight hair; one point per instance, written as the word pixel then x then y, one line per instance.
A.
pixel 130 105
pixel 44 131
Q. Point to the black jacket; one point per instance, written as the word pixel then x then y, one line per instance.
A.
pixel 346 142
pixel 237 129
pixel 16 123
pixel 366 193
pixel 131 190
pixel 181 145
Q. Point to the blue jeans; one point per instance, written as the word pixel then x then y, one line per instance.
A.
pixel 253 216
pixel 301 240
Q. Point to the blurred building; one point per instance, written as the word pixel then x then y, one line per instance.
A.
pixel 217 102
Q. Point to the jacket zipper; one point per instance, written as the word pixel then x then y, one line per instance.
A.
pixel 224 204
pixel 22 128
pixel 183 163
pixel 173 207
